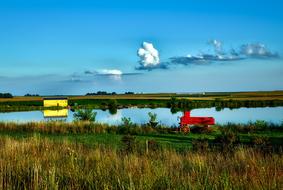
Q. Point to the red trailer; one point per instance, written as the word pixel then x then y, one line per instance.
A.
pixel 186 121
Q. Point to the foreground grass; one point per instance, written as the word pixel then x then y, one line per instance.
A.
pixel 40 163
pixel 94 134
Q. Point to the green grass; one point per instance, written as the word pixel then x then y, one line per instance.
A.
pixel 92 134
pixel 183 101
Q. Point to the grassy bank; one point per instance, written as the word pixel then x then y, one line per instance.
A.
pixel 170 100
pixel 251 134
pixel 40 163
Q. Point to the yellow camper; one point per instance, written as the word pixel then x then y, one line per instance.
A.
pixel 55 102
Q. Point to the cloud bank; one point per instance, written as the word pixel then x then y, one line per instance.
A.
pixel 149 57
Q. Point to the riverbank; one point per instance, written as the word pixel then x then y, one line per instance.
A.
pixel 172 100
pixel 239 134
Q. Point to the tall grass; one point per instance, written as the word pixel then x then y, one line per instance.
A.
pixel 38 163
pixel 128 126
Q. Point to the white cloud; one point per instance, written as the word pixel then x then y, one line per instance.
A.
pixel 110 72
pixel 257 50
pixel 149 56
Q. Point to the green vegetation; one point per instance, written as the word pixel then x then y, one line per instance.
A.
pixel 89 155
pixel 6 95
pixel 40 163
pixel 103 100
pixel 85 115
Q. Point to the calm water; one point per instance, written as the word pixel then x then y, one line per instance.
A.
pixel 140 115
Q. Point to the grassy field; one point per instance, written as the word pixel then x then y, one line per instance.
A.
pixel 261 95
pixel 40 163
pixel 86 155
pixel 169 100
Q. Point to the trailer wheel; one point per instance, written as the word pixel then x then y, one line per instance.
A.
pixel 185 129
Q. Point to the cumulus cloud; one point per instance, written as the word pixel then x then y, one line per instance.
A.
pixel 149 57
pixel 257 50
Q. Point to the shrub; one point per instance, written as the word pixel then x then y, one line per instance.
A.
pixel 152 119
pixel 153 145
pixel 112 105
pixel 85 115
pixel 200 144
pixel 261 125
pixel 201 129
pixel 127 121
pixel 227 139
pixel 260 140
pixel 129 143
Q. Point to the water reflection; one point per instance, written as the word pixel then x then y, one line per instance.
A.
pixel 164 115
pixel 55 114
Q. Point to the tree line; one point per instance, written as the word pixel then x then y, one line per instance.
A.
pixel 6 95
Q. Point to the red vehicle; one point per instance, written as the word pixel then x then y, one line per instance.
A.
pixel 186 121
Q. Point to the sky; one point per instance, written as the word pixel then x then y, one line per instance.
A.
pixel 57 47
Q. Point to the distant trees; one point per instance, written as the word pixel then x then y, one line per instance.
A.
pixel 101 93
pixel 106 93
pixel 31 95
pixel 129 93
pixel 6 95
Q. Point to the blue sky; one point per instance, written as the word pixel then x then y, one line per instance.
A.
pixel 75 47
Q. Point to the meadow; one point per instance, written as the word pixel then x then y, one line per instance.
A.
pixel 170 100
pixel 89 155
pixel 40 163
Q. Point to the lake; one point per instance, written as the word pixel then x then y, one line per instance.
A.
pixel 164 115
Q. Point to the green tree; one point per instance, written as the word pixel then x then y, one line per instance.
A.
pixel 112 105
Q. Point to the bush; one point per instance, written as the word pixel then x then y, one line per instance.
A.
pixel 112 105
pixel 227 139
pixel 260 141
pixel 152 119
pixel 129 143
pixel 201 129
pixel 85 115
pixel 153 145
pixel 200 145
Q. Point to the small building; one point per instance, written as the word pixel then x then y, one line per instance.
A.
pixel 55 102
